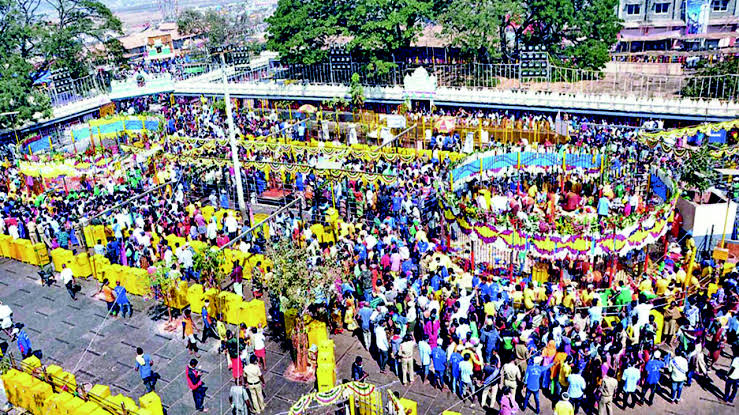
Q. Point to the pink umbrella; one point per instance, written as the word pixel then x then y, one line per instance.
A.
pixel 445 124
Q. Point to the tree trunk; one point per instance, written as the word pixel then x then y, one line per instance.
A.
pixel 300 343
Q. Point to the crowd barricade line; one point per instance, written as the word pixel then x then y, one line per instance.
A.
pixel 137 282
pixel 23 250
pixel 49 390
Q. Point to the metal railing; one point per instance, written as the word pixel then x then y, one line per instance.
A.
pixel 79 89
pixel 469 75
pixel 509 77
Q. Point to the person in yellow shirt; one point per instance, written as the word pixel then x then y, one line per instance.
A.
pixel 564 407
pixel 587 295
pixel 528 296
pixel 661 284
pixel 517 297
pixel 188 331
pixel 541 294
pixel 680 276
pixel 564 371
pixel 557 297
pixel 645 285
pixel 569 299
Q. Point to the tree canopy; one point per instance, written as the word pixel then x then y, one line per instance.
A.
pixel 581 31
pixel 219 29
pixel 302 30
pixel 699 170
pixel 478 27
pixel 16 83
pixel 34 41
pixel 296 282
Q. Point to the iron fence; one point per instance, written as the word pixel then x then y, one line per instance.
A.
pixel 509 77
pixel 77 90
pixel 467 75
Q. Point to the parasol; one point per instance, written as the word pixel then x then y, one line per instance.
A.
pixel 307 108
pixel 445 124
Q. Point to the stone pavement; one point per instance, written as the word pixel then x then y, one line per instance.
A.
pixel 77 336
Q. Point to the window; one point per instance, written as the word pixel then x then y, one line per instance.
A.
pixel 719 5
pixel 633 9
pixel 661 8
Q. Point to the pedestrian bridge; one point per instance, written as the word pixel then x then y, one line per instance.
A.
pixel 419 86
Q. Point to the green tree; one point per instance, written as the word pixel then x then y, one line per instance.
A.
pixel 699 170
pixel 167 288
pixel 75 21
pixel 210 263
pixel 596 28
pixel 300 30
pixel 116 52
pixel 582 31
pixel 219 29
pixel 19 100
pixel 356 91
pixel 722 84
pixel 378 28
pixel 17 94
pixel 478 27
pixel 299 285
pixel 588 27
pixel 32 42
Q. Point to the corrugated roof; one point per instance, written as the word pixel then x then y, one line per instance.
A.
pixel 137 40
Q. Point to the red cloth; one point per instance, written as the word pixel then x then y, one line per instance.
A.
pixel 193 378
pixel 237 367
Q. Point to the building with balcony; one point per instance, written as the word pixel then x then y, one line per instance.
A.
pixel 677 24
pixel 155 43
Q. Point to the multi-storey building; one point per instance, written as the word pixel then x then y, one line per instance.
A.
pixel 678 24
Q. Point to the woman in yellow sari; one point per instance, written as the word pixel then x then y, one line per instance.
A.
pixel 350 310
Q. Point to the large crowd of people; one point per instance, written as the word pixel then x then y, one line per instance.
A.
pixel 594 333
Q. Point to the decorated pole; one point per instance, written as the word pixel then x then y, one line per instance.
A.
pixel 92 140
pixel 518 167
pixel 564 171
pixel 73 142
pixel 333 199
pixel 726 216
pixel 689 275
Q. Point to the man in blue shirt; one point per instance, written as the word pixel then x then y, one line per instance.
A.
pixel 532 379
pixel 576 389
pixel 364 316
pixel 143 366
pixel 121 301
pixel 489 337
pixel 358 373
pixel 397 200
pixel 424 354
pixel 209 329
pixel 435 282
pixel 603 206
pixel 630 378
pixel 438 357
pixel 454 360
pixel 651 383
pixel 24 342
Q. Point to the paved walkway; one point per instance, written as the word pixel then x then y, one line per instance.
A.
pixel 77 336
